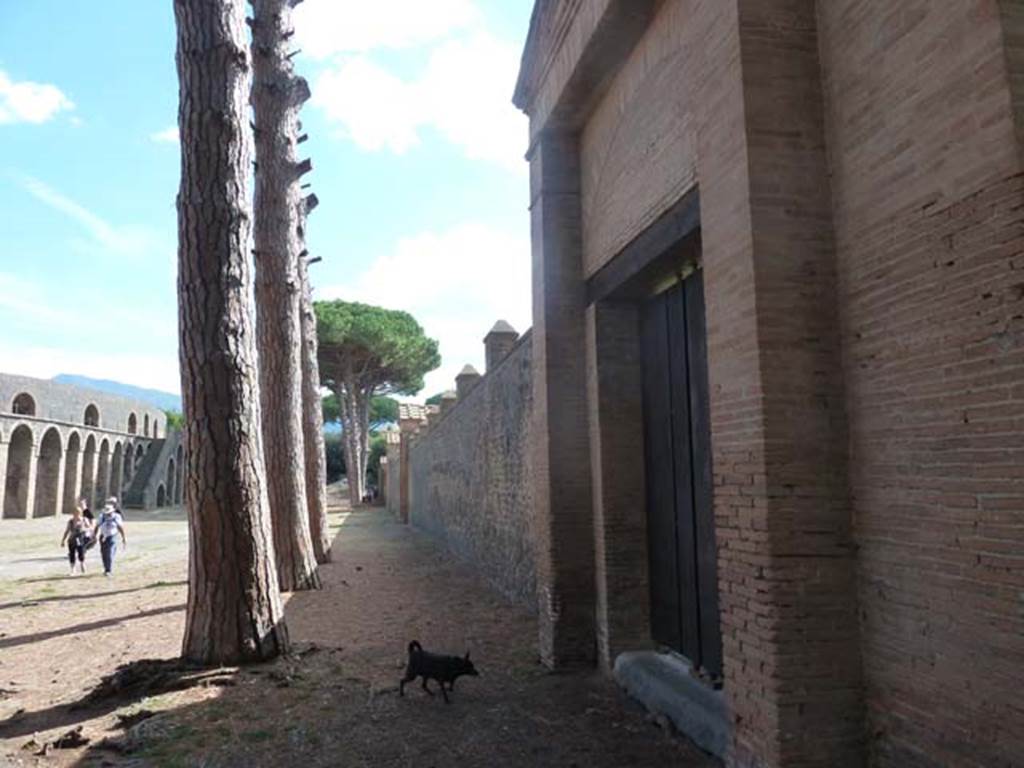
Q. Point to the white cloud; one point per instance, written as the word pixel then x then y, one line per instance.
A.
pixel 463 93
pixel 456 283
pixel 28 102
pixel 327 27
pixel 121 241
pixel 168 135
pixel 376 109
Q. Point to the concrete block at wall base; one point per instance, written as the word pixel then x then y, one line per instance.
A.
pixel 665 684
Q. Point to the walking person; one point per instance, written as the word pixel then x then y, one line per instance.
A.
pixel 108 527
pixel 83 505
pixel 76 536
pixel 112 501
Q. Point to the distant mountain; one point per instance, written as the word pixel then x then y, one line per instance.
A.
pixel 165 401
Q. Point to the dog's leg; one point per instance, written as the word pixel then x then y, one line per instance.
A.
pixel 401 685
pixel 445 694
pixel 427 688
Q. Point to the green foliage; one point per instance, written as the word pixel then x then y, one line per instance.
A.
pixel 334 450
pixel 331 408
pixel 380 351
pixel 378 448
pixel 383 411
pixel 435 399
pixel 175 420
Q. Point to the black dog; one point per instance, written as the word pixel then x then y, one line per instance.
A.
pixel 432 666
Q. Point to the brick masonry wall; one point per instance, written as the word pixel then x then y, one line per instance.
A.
pixel 392 495
pixel 929 233
pixel 469 478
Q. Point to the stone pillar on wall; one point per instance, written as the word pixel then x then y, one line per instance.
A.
pixel 76 479
pixel 59 493
pixel 466 380
pixel 30 478
pixel 560 445
pixel 409 423
pixel 498 343
pixel 392 498
pixel 448 401
pixel 3 476
pixel 615 405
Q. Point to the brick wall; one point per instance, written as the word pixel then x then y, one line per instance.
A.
pixel 469 478
pixel 927 206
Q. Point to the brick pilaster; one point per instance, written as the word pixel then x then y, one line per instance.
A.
pixel 560 450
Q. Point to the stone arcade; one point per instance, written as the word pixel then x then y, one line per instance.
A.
pixel 770 415
pixel 59 443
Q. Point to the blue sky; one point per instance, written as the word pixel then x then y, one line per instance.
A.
pixel 417 156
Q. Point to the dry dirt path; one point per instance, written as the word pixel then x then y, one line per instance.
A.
pixel 333 704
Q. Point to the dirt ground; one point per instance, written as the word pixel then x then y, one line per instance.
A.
pixel 334 702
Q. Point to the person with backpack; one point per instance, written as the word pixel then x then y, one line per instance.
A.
pixel 108 527
pixel 76 536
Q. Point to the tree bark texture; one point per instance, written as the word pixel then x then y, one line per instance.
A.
pixel 234 609
pixel 313 424
pixel 277 95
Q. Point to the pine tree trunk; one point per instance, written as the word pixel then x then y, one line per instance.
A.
pixel 276 97
pixel 313 424
pixel 364 447
pixel 353 435
pixel 234 610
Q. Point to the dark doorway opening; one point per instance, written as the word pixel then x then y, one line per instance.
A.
pixel 680 516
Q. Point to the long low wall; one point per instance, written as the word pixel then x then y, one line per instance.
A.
pixel 469 483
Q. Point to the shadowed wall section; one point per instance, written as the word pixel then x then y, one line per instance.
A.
pixel 469 477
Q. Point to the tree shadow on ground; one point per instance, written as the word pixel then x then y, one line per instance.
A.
pixel 85 596
pixel 10 642
pixel 129 684
pixel 334 701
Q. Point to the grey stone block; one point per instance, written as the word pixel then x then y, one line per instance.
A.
pixel 664 683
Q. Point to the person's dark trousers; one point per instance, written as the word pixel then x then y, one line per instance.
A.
pixel 76 550
pixel 108 547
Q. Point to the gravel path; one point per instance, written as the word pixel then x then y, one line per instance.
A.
pixel 335 703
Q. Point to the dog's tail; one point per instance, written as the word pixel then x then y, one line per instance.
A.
pixel 415 647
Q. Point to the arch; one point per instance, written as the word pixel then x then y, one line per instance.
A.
pixel 133 423
pixel 161 496
pixel 91 417
pixel 16 478
pixel 48 486
pixel 88 484
pixel 116 470
pixel 103 472
pixel 145 425
pixel 72 461
pixel 179 483
pixel 156 428
pixel 23 404
pixel 140 452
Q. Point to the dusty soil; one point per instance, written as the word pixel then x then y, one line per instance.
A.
pixel 332 703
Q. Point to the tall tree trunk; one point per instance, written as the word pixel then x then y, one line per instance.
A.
pixel 276 97
pixel 353 426
pixel 364 423
pixel 234 610
pixel 313 424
